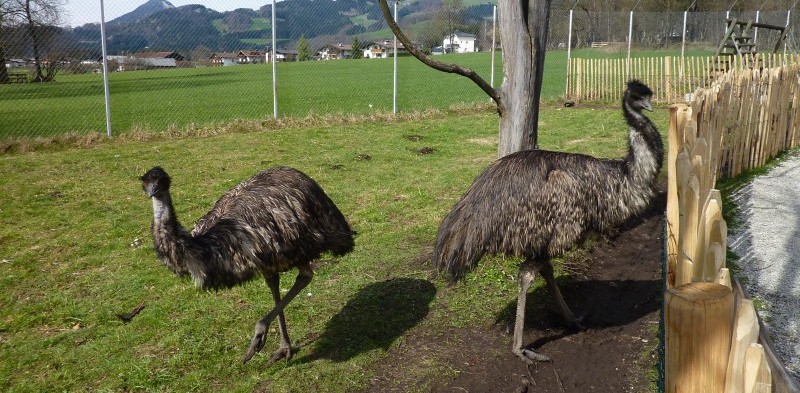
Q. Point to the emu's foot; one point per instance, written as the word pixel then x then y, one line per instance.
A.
pixel 530 357
pixel 577 325
pixel 257 344
pixel 283 352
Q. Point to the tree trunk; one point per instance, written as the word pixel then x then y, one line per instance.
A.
pixel 3 69
pixel 523 26
pixel 524 45
pixel 35 41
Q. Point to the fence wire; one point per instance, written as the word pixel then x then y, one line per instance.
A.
pixel 191 66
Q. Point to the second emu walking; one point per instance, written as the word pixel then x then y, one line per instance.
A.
pixel 536 204
pixel 275 221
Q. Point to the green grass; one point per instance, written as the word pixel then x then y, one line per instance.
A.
pixel 362 20
pixel 259 24
pixel 256 41
pixel 70 258
pixel 219 24
pixel 177 98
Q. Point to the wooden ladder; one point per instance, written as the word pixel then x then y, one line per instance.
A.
pixel 739 41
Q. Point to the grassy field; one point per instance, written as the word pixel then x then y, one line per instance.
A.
pixel 159 99
pixel 75 250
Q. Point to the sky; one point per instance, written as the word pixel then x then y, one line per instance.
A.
pixel 79 12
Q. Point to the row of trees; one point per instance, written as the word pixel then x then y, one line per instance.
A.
pixel 37 19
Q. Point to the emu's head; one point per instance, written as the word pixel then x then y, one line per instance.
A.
pixel 637 96
pixel 155 182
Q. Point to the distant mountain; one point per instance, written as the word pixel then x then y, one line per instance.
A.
pixel 143 11
pixel 158 25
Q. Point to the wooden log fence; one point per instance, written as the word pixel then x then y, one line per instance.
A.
pixel 672 78
pixel 743 119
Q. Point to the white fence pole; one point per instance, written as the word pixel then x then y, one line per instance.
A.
pixel 105 67
pixel 394 91
pixel 630 36
pixel 494 33
pixel 274 68
pixel 755 33
pixel 788 19
pixel 683 39
pixel 569 53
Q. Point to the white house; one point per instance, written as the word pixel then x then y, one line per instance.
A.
pixel 14 63
pixel 240 57
pixel 281 55
pixel 132 63
pixel 251 57
pixel 382 50
pixel 461 42
pixel 224 59
pixel 335 51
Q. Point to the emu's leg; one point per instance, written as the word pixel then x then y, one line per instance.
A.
pixel 257 344
pixel 546 269
pixel 527 272
pixel 285 350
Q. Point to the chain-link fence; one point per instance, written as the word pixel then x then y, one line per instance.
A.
pixel 179 66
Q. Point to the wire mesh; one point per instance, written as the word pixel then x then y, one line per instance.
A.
pixel 191 65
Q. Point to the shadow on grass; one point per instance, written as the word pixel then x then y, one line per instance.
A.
pixel 376 316
pixel 599 304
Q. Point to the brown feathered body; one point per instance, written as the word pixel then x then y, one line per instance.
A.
pixel 537 204
pixel 270 223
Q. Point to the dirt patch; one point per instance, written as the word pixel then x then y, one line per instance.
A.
pixel 619 301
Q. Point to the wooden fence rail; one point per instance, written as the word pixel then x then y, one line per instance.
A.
pixel 744 118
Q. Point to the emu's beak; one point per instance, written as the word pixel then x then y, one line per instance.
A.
pixel 647 105
pixel 151 190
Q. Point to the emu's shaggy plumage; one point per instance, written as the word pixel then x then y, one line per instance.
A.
pixel 537 204
pixel 275 221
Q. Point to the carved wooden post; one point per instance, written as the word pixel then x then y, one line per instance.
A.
pixel 699 322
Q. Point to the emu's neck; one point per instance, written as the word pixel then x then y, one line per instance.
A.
pixel 172 242
pixel 643 162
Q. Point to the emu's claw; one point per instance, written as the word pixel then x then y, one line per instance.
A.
pixel 528 356
pixel 282 352
pixel 577 324
pixel 256 345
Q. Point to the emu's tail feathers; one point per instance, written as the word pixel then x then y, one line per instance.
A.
pixel 458 245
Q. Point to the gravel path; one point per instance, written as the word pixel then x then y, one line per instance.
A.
pixel 768 242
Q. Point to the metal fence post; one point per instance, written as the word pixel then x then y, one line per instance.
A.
pixel 274 68
pixel 683 39
pixel 494 34
pixel 630 38
pixel 394 90
pixel 569 49
pixel 105 67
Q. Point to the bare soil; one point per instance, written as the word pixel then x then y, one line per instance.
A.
pixel 619 299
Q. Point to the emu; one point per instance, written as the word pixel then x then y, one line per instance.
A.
pixel 536 204
pixel 275 221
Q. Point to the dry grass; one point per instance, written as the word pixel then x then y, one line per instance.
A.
pixel 140 134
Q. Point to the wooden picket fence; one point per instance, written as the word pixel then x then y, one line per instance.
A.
pixel 714 341
pixel 670 77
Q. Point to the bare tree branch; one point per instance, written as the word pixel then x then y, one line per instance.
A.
pixel 438 65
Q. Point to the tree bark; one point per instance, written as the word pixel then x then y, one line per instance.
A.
pixel 523 24
pixel 523 64
pixel 31 23
pixel 3 69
